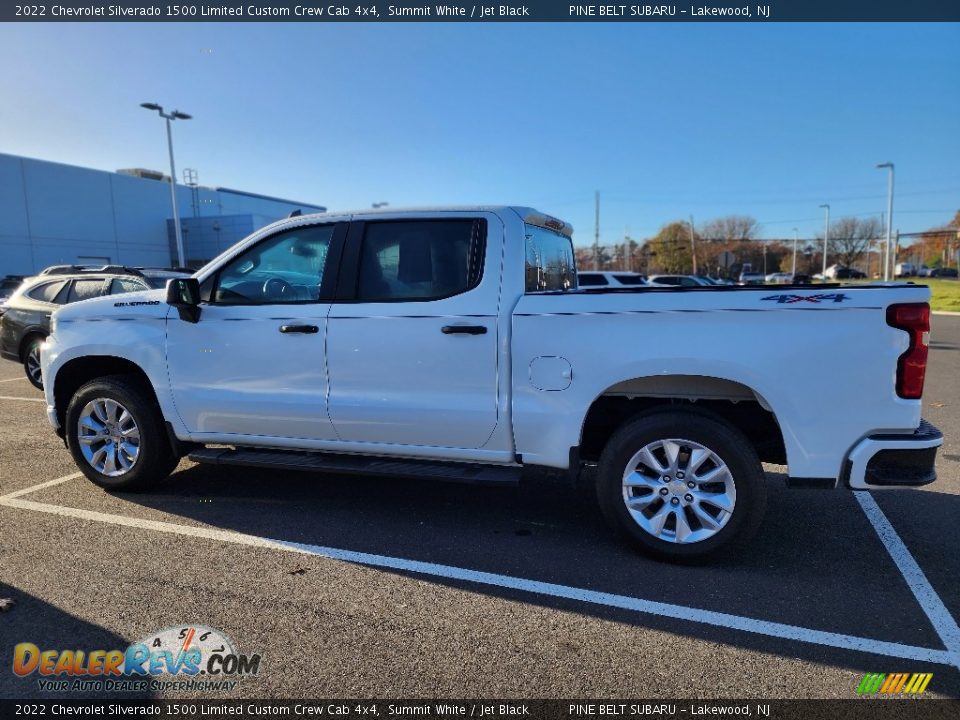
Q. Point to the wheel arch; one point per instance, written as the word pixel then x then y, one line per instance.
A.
pixel 81 370
pixel 31 332
pixel 722 399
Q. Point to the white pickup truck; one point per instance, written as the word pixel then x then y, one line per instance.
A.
pixel 455 343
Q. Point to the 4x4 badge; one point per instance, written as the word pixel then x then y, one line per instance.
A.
pixel 820 297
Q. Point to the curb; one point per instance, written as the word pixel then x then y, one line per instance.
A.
pixel 945 312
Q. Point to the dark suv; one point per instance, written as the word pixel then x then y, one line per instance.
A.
pixel 25 322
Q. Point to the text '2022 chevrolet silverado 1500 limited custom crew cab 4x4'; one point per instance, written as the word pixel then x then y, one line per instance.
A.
pixel 455 343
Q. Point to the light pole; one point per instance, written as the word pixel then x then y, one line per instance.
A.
pixel 793 270
pixel 826 239
pixel 886 258
pixel 175 115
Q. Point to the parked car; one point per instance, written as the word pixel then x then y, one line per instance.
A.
pixel 751 278
pixel 924 271
pixel 597 278
pixel 801 279
pixel 841 272
pixel 904 270
pixel 446 343
pixel 779 278
pixel 681 280
pixel 8 285
pixel 944 273
pixel 846 273
pixel 25 323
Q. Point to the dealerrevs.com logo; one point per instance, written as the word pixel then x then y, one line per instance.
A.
pixel 184 657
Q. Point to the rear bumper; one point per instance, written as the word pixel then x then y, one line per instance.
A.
pixel 888 461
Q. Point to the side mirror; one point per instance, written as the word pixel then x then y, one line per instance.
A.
pixel 184 295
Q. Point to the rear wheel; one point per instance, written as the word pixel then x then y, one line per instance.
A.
pixel 31 360
pixel 115 433
pixel 681 485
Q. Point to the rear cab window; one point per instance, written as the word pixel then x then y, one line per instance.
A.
pixel 550 264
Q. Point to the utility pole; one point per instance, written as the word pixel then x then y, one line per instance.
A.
pixel 826 239
pixel 793 269
pixel 693 246
pixel 596 232
pixel 886 265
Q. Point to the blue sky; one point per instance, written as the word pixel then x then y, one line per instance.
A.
pixel 664 120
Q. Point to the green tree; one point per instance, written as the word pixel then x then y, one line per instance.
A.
pixel 670 248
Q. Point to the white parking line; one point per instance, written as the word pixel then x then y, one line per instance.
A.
pixel 13 397
pixel 12 379
pixel 41 486
pixel 921 588
pixel 648 607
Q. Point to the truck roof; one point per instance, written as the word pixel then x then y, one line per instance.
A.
pixel 527 214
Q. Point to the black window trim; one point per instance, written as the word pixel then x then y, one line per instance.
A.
pixel 349 281
pixel 330 270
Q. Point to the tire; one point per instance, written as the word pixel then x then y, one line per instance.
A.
pixel 31 360
pixel 119 417
pixel 715 505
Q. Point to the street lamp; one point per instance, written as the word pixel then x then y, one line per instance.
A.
pixel 886 258
pixel 793 270
pixel 175 115
pixel 826 238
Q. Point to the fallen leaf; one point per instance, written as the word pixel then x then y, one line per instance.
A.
pixel 6 604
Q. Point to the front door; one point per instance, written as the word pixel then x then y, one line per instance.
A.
pixel 254 363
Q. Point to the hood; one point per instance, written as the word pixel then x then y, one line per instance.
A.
pixel 145 303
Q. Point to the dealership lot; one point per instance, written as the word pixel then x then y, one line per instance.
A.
pixel 354 587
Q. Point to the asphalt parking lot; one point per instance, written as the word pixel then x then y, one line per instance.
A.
pixel 381 588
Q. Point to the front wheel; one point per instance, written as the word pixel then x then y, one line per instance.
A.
pixel 681 485
pixel 115 433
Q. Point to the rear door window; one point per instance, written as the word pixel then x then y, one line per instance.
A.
pixel 420 259
pixel 85 289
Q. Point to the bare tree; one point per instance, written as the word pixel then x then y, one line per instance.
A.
pixel 730 228
pixel 850 238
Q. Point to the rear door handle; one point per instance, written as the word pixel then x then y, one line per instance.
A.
pixel 306 329
pixel 464 330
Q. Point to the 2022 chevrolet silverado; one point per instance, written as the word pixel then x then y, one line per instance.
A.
pixel 456 343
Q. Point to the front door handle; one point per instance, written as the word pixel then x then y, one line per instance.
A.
pixel 306 329
pixel 464 330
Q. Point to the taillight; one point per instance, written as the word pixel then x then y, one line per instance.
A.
pixel 914 318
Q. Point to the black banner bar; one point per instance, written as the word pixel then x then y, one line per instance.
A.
pixel 874 708
pixel 530 11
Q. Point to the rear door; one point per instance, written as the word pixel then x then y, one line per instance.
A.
pixel 412 337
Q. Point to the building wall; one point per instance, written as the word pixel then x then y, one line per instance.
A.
pixel 52 213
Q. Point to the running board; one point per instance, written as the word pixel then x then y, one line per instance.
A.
pixel 359 465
